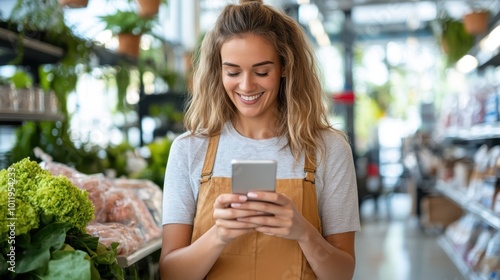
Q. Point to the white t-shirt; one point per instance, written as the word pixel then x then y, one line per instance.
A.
pixel 335 178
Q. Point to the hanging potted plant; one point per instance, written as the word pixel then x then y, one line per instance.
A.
pixel 455 41
pixel 476 21
pixel 149 8
pixel 74 3
pixel 128 26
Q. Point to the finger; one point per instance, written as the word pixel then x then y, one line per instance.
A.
pixel 271 197
pixel 231 213
pixel 274 231
pixel 235 224
pixel 265 208
pixel 225 200
pixel 269 221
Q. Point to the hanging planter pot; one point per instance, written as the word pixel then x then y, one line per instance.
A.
pixel 476 22
pixel 74 3
pixel 129 44
pixel 148 8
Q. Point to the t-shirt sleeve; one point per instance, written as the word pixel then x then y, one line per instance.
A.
pixel 179 203
pixel 338 200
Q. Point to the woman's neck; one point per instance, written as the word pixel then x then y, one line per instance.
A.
pixel 255 129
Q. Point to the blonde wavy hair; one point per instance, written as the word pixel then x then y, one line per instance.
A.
pixel 302 111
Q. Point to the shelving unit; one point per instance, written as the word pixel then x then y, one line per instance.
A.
pixel 35 51
pixel 482 213
pixel 144 251
pixel 464 269
pixel 19 116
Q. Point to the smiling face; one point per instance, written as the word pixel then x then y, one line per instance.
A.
pixel 251 74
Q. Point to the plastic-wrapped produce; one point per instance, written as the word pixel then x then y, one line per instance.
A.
pixel 97 185
pixel 148 192
pixel 124 206
pixel 129 238
pixel 61 169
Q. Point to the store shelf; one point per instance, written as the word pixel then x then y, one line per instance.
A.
pixel 8 116
pixel 476 132
pixel 126 261
pixel 35 52
pixel 454 256
pixel 483 213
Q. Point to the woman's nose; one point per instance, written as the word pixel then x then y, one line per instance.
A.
pixel 246 83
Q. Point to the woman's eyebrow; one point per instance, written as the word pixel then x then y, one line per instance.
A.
pixel 255 65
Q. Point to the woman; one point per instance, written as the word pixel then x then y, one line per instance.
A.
pixel 256 95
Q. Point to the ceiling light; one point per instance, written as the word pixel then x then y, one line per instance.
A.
pixel 467 63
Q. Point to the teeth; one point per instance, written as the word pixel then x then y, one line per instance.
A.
pixel 250 98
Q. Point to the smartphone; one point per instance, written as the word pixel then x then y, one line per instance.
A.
pixel 253 175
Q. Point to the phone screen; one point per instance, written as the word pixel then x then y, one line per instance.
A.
pixel 253 175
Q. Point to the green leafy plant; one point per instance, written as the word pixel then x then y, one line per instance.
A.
pixel 128 22
pixel 456 42
pixel 155 171
pixel 21 79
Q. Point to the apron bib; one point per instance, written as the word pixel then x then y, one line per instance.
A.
pixel 256 256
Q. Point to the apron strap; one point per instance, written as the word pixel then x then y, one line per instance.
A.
pixel 310 168
pixel 208 165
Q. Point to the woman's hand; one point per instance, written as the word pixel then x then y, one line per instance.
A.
pixel 227 223
pixel 279 216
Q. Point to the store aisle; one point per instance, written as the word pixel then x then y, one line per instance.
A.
pixel 392 247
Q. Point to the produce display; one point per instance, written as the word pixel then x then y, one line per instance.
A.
pixel 58 218
pixel 129 206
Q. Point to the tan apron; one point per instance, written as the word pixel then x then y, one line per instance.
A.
pixel 256 255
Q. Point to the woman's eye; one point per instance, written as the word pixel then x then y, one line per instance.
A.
pixel 261 74
pixel 232 74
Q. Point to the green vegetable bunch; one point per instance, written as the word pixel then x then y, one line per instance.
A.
pixel 42 230
pixel 53 198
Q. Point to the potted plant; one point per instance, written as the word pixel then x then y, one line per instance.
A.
pixel 128 26
pixel 23 97
pixel 454 39
pixel 74 3
pixel 476 21
pixel 149 8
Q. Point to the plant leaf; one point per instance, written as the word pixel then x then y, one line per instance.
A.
pixel 36 254
pixel 67 265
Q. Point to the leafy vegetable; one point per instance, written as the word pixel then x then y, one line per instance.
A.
pixel 68 264
pixel 51 215
pixel 50 196
pixel 36 251
pixel 25 221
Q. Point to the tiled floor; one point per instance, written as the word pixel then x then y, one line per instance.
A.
pixel 393 247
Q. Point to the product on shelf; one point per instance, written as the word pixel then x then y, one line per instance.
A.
pixel 496 204
pixel 481 160
pixel 489 185
pixel 148 192
pixel 490 263
pixel 438 212
pixel 130 238
pixel 477 252
pixel 124 206
pixel 97 185
pixel 463 234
